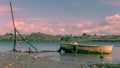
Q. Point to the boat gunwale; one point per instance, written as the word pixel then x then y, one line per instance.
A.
pixel 85 45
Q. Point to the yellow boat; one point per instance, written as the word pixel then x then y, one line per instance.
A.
pixel 76 48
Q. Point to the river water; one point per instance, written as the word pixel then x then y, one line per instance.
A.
pixel 114 57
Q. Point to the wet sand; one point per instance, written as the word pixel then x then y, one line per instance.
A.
pixel 26 60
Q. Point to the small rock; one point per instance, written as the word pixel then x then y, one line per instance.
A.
pixel 2 55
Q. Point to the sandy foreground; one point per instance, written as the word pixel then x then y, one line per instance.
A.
pixel 25 60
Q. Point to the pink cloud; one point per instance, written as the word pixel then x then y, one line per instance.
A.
pixel 110 25
pixel 114 20
pixel 34 27
pixel 62 29
pixel 79 25
pixel 49 28
pixel 5 9
pixel 35 19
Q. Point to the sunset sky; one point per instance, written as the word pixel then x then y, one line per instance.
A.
pixel 61 16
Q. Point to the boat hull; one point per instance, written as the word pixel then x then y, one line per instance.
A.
pixel 96 49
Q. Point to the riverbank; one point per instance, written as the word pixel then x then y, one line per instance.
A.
pixel 25 60
pixel 41 37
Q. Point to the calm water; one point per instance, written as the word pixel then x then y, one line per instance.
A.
pixel 114 57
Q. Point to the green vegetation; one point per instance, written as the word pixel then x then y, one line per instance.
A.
pixel 91 38
pixel 41 37
pixel 33 37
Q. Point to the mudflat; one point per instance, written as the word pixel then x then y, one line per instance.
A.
pixel 26 60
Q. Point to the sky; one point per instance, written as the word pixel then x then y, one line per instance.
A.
pixel 61 16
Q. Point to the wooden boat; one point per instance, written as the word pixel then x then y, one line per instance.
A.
pixel 76 48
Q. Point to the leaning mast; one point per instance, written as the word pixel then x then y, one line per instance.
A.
pixel 14 48
pixel 16 31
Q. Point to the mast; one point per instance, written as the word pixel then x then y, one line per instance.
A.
pixel 14 48
pixel 16 31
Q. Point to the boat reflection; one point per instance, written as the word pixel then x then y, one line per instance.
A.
pixel 85 58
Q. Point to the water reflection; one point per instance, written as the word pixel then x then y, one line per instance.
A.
pixel 114 57
pixel 86 58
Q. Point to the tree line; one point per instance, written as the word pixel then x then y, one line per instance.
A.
pixel 41 37
pixel 33 37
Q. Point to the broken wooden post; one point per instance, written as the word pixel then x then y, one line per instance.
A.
pixel 101 54
pixel 30 50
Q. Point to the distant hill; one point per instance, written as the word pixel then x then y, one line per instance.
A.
pixel 33 37
pixel 41 37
